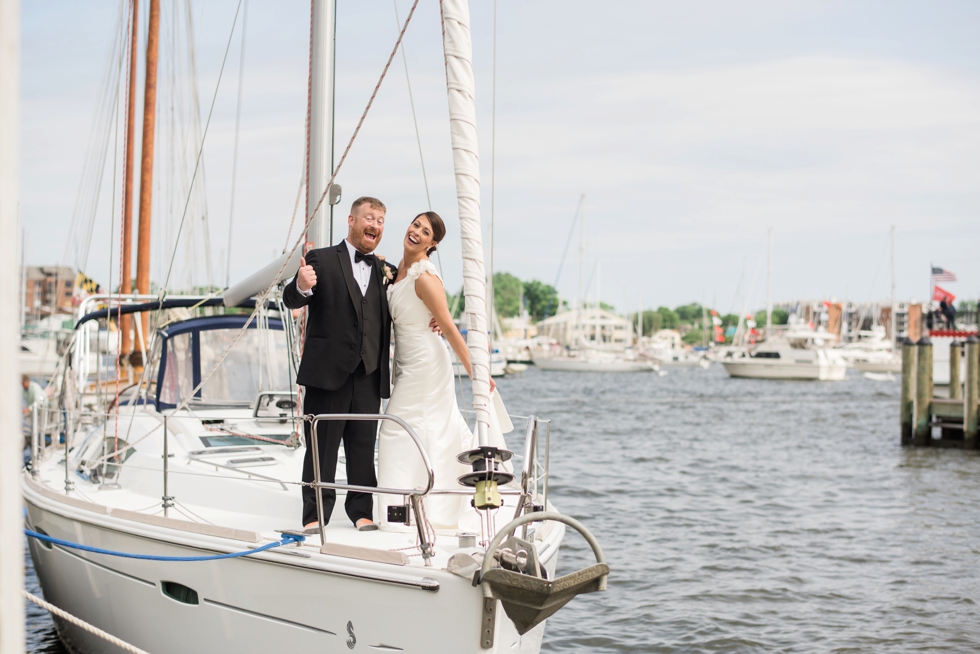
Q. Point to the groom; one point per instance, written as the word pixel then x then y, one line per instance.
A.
pixel 345 357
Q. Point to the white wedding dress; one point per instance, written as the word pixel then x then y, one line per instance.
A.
pixel 424 396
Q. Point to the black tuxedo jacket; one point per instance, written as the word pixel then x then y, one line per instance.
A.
pixel 330 353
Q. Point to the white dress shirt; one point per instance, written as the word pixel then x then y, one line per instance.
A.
pixel 362 272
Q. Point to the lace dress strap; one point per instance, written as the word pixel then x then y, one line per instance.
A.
pixel 423 266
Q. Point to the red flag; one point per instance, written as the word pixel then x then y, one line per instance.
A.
pixel 939 294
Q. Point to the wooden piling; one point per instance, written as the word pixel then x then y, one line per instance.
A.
pixel 907 401
pixel 923 392
pixel 955 382
pixel 971 393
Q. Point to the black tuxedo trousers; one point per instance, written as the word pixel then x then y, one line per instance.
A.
pixel 359 394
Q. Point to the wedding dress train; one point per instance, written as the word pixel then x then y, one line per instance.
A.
pixel 424 396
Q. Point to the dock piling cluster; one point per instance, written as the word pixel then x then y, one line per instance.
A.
pixel 920 411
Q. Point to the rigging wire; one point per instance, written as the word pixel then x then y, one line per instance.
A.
pixel 234 159
pixel 200 152
pixel 571 233
pixel 493 175
pixel 415 122
pixel 262 297
pixel 79 240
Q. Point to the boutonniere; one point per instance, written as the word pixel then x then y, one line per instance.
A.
pixel 389 276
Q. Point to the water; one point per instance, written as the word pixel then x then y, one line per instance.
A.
pixel 749 516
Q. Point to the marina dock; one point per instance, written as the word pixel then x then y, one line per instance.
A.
pixel 922 413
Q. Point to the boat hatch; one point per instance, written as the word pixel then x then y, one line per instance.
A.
pixel 252 461
pixel 187 351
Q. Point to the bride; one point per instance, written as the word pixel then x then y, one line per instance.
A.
pixel 423 394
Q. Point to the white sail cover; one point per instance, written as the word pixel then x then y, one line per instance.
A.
pixel 458 49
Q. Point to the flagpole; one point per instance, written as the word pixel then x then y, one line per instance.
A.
pixel 932 289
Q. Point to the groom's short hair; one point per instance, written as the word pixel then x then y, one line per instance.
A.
pixel 366 199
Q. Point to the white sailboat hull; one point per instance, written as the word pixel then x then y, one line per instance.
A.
pixel 254 604
pixel 572 364
pixel 776 369
pixel 878 366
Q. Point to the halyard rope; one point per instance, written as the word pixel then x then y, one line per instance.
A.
pixel 261 299
pixel 78 622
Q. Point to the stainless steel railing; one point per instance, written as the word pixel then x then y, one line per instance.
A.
pixel 415 495
pixel 54 421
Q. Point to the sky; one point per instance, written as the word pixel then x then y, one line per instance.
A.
pixel 690 128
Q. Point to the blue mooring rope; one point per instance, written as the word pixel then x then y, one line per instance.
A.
pixel 287 539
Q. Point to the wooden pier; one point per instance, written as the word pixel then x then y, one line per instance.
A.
pixel 922 414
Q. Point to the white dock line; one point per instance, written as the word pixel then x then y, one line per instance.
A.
pixel 78 622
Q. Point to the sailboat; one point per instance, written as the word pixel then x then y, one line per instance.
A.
pixel 588 340
pixel 202 455
pixel 796 353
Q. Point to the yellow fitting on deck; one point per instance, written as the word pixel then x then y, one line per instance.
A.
pixel 486 495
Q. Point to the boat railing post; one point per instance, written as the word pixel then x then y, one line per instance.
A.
pixel 167 499
pixel 923 392
pixel 955 381
pixel 907 401
pixel 34 452
pixel 67 433
pixel 547 462
pixel 971 393
pixel 312 439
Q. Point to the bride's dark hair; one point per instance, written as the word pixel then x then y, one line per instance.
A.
pixel 438 228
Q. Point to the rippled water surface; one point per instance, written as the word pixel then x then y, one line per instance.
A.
pixel 749 516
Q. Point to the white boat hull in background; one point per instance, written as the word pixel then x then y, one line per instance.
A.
pixel 883 365
pixel 775 369
pixel 574 364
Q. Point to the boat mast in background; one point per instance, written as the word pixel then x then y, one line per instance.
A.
pixel 892 320
pixel 319 147
pixel 146 172
pixel 11 445
pixel 126 274
pixel 769 289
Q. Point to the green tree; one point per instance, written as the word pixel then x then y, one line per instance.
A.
pixel 693 337
pixel 779 317
pixel 507 294
pixel 689 313
pixel 540 297
pixel 670 319
pixel 652 322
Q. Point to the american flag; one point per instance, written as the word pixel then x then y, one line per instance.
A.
pixel 942 275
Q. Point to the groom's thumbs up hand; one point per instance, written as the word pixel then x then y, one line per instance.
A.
pixel 306 276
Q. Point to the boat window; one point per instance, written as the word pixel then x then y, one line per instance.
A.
pixel 178 379
pixel 258 362
pixel 766 355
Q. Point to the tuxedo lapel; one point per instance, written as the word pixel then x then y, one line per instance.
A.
pixel 379 279
pixel 348 270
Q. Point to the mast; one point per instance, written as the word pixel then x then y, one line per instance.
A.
pixel 893 320
pixel 769 289
pixel 458 52
pixel 125 274
pixel 146 169
pixel 11 521
pixel 598 282
pixel 319 165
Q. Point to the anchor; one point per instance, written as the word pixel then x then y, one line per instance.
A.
pixel 529 598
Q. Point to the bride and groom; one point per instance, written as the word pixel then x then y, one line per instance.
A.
pixel 354 297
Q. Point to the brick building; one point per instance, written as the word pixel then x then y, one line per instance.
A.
pixel 46 287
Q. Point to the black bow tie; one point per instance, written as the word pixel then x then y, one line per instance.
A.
pixel 360 256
